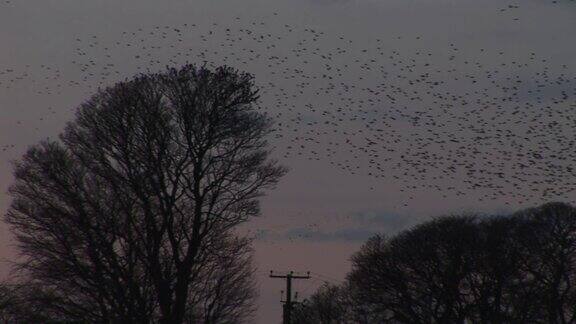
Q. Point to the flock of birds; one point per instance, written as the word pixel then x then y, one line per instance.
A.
pixel 456 121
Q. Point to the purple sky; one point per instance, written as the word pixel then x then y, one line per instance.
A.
pixel 55 53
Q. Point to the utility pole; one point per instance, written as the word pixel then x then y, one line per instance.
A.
pixel 287 307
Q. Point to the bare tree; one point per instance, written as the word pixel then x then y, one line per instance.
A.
pixel 29 303
pixel 8 303
pixel 496 279
pixel 547 237
pixel 328 305
pixel 518 268
pixel 119 215
pixel 420 275
pixel 225 290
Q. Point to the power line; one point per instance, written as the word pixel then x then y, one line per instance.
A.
pixel 327 278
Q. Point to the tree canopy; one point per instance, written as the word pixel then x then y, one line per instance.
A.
pixel 122 217
pixel 474 268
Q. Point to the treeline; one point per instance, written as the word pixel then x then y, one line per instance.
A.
pixel 517 268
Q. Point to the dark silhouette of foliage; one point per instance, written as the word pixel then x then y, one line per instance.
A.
pixel 517 268
pixel 547 237
pixel 420 274
pixel 329 305
pixel 224 290
pixel 30 303
pixel 122 218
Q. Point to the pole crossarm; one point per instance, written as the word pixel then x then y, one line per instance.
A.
pixel 287 308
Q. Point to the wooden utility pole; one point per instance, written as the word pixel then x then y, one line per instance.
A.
pixel 287 307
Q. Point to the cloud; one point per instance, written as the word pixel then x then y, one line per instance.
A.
pixel 342 235
pixel 360 226
pixel 329 2
pixel 355 227
pixel 388 222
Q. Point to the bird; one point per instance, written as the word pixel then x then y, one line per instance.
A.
pixel 486 123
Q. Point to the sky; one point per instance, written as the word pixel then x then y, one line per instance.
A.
pixel 387 113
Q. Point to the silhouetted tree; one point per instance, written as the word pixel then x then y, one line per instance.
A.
pixel 28 303
pixel 7 303
pixel 517 268
pixel 120 218
pixel 547 237
pixel 496 279
pixel 224 290
pixel 419 276
pixel 328 305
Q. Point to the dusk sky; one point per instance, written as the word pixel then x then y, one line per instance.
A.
pixel 387 112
